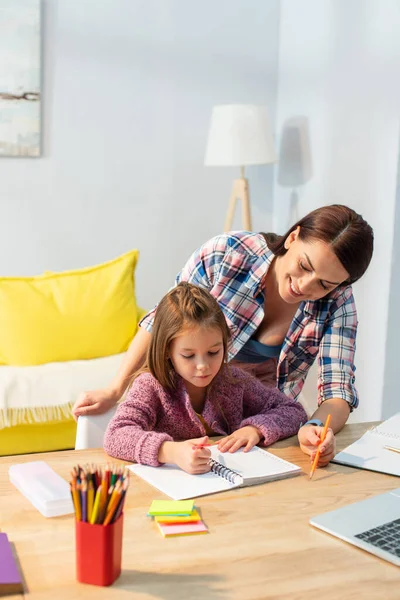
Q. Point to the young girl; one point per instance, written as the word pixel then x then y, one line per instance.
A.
pixel 186 392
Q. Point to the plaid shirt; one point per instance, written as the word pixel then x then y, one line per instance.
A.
pixel 232 267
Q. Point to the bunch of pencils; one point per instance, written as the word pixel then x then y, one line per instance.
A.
pixel 98 495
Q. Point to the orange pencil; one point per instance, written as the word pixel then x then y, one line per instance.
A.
pixel 112 507
pixel 323 436
pixel 76 497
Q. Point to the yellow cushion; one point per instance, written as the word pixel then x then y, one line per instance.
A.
pixel 38 437
pixel 81 314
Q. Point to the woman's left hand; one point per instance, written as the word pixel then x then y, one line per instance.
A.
pixel 310 438
pixel 247 436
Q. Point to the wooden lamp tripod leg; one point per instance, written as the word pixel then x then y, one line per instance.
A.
pixel 231 208
pixel 244 196
pixel 240 191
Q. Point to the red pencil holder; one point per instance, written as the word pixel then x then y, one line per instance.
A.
pixel 98 552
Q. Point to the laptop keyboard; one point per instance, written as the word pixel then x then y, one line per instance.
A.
pixel 386 537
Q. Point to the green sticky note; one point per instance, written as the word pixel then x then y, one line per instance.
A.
pixel 171 507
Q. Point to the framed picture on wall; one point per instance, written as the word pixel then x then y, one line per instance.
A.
pixel 20 78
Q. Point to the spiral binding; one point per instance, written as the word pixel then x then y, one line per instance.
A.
pixel 223 471
pixel 218 469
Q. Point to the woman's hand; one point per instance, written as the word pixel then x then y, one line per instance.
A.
pixel 186 455
pixel 248 437
pixel 310 438
pixel 94 403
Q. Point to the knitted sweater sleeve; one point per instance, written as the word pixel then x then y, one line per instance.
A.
pixel 129 434
pixel 268 409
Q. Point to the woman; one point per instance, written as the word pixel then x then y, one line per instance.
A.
pixel 286 299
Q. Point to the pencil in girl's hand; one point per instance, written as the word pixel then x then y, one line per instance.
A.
pixel 199 446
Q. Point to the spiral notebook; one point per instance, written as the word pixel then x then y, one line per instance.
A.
pixel 369 451
pixel 228 471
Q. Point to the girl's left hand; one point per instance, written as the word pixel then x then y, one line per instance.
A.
pixel 247 436
pixel 309 440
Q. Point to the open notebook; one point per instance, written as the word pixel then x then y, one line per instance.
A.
pixel 227 471
pixel 369 451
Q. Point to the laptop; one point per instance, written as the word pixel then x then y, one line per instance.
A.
pixel 372 525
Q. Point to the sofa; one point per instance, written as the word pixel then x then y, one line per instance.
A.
pixel 62 333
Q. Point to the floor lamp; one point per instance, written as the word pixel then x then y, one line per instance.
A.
pixel 239 135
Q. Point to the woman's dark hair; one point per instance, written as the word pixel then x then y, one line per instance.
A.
pixel 349 235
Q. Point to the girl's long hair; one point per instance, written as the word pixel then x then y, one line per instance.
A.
pixel 184 306
pixel 349 235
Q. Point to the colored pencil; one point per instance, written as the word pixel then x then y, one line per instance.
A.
pixel 98 504
pixel 323 436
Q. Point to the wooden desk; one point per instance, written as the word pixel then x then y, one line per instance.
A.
pixel 260 544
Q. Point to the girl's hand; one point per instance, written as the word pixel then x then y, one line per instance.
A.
pixel 247 436
pixel 309 439
pixel 189 458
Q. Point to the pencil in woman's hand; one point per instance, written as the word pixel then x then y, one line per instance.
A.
pixel 323 436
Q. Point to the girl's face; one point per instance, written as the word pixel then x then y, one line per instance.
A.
pixel 197 355
pixel 308 270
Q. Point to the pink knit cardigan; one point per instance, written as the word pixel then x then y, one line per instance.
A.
pixel 150 415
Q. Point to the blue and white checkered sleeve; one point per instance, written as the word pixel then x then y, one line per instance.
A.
pixel 336 354
pixel 336 374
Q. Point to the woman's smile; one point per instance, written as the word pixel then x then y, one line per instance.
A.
pixel 294 290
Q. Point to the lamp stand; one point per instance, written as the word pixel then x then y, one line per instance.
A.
pixel 240 191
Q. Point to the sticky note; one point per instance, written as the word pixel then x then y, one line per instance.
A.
pixel 171 507
pixel 182 529
pixel 194 517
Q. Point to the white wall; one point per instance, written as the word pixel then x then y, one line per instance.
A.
pixel 391 402
pixel 339 67
pixel 128 90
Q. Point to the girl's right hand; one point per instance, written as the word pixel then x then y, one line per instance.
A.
pixel 192 460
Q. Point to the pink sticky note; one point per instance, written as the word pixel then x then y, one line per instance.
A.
pixel 182 529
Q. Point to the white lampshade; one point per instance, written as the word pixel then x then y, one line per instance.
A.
pixel 240 135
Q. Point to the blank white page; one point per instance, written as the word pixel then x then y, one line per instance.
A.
pixel 389 428
pixel 369 453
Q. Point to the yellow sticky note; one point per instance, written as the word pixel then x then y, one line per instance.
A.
pixel 194 517
pixel 171 507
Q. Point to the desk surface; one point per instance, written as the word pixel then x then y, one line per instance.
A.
pixel 260 544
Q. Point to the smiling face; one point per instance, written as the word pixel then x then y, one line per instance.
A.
pixel 308 270
pixel 197 355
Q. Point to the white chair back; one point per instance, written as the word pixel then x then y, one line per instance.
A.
pixel 90 430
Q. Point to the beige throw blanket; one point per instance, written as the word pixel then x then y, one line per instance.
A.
pixel 47 392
